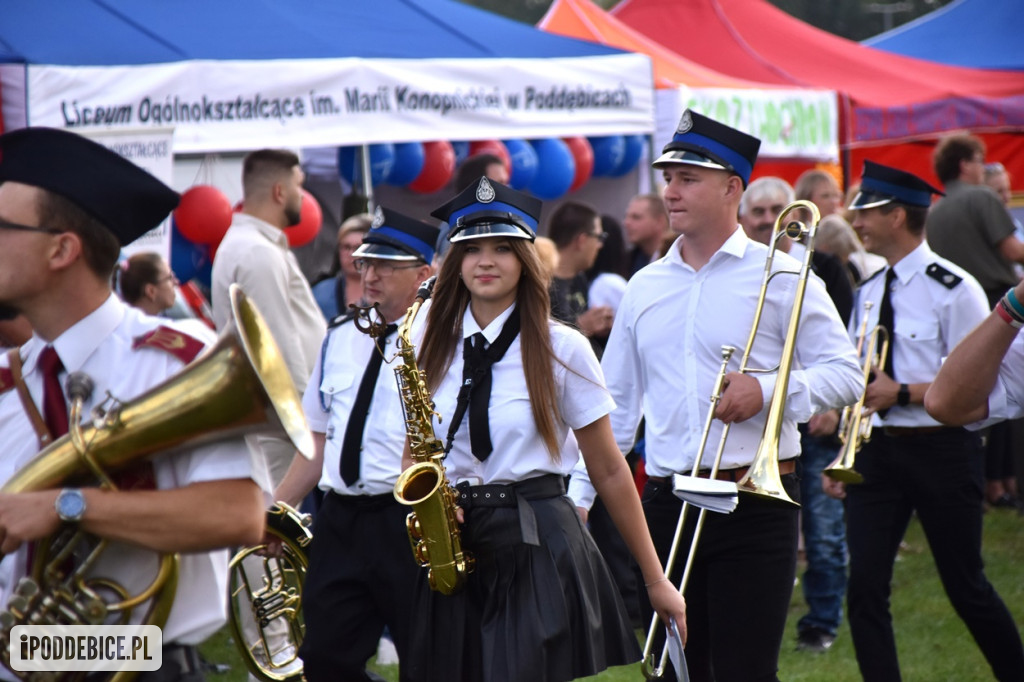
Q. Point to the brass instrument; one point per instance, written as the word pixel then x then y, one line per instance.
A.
pixel 240 385
pixel 854 425
pixel 433 529
pixel 762 477
pixel 270 602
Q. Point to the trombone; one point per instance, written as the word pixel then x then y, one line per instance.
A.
pixel 762 477
pixel 854 425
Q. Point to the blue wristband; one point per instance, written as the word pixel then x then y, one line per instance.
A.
pixel 1015 305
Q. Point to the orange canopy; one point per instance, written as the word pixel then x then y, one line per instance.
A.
pixel 585 20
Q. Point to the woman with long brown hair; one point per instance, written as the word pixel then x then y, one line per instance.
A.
pixel 540 604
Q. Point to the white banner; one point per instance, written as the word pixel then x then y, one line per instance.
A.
pixel 153 151
pixel 789 123
pixel 241 105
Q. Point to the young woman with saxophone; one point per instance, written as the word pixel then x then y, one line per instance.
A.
pixel 539 604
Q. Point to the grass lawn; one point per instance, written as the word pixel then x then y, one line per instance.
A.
pixel 934 645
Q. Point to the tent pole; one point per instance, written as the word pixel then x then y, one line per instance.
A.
pixel 364 159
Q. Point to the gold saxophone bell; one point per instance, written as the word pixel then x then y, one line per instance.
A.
pixel 854 425
pixel 265 598
pixel 238 386
pixel 762 478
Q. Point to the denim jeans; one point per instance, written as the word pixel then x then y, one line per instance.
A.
pixel 821 519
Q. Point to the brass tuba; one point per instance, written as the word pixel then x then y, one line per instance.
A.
pixel 240 385
pixel 762 477
pixel 270 603
pixel 855 426
pixel 433 529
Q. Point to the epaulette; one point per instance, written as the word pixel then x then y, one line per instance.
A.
pixel 177 343
pixel 6 380
pixel 943 276
pixel 342 319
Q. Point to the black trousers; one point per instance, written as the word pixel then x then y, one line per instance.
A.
pixel 361 578
pixel 737 597
pixel 938 475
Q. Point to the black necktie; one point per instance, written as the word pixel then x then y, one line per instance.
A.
pixel 353 443
pixel 55 407
pixel 885 319
pixel 476 385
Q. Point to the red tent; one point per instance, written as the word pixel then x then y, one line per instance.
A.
pixel 890 99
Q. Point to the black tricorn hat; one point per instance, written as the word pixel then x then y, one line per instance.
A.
pixel 126 199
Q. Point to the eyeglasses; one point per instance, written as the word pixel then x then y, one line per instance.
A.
pixel 28 228
pixel 383 269
pixel 599 236
pixel 994 167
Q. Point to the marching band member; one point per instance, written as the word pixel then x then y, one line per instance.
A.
pixel 912 463
pixel 67 205
pixel 661 362
pixel 361 574
pixel 540 604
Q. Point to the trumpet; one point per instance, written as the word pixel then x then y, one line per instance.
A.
pixel 854 425
pixel 762 477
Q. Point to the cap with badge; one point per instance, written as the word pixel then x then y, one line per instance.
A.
pixel 490 209
pixel 881 185
pixel 126 199
pixel 703 141
pixel 394 236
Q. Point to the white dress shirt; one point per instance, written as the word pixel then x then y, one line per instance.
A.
pixel 519 451
pixel 664 354
pixel 101 345
pixel 931 313
pixel 329 398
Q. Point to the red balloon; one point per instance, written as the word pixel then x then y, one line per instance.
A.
pixel 204 214
pixel 438 167
pixel 583 153
pixel 309 224
pixel 496 147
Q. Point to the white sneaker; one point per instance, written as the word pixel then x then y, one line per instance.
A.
pixel 386 652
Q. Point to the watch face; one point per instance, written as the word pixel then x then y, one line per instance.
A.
pixel 70 505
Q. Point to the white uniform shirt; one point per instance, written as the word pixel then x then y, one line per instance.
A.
pixel 932 312
pixel 334 385
pixel 664 354
pixel 256 256
pixel 1006 401
pixel 101 346
pixel 519 451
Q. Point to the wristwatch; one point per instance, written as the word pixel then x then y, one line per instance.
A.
pixel 70 505
pixel 903 397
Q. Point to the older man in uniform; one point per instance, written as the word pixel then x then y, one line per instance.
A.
pixel 67 205
pixel 912 463
pixel 661 362
pixel 361 574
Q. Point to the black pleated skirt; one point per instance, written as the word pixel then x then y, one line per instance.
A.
pixel 529 613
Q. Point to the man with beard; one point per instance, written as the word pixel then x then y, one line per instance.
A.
pixel 255 255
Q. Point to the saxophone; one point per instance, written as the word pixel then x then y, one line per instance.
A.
pixel 433 529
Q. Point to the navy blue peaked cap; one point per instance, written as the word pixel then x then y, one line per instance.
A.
pixel 703 141
pixel 395 236
pixel 882 185
pixel 490 209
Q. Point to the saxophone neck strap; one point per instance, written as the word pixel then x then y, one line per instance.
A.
pixel 31 411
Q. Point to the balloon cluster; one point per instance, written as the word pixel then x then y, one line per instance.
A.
pixel 547 168
pixel 202 219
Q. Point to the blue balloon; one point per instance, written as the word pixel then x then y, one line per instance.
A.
pixel 382 161
pixel 409 160
pixel 188 260
pixel 461 152
pixel 634 149
pixel 524 163
pixel 609 153
pixel 556 169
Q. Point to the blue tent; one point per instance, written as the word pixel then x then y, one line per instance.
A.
pixel 228 74
pixel 984 34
